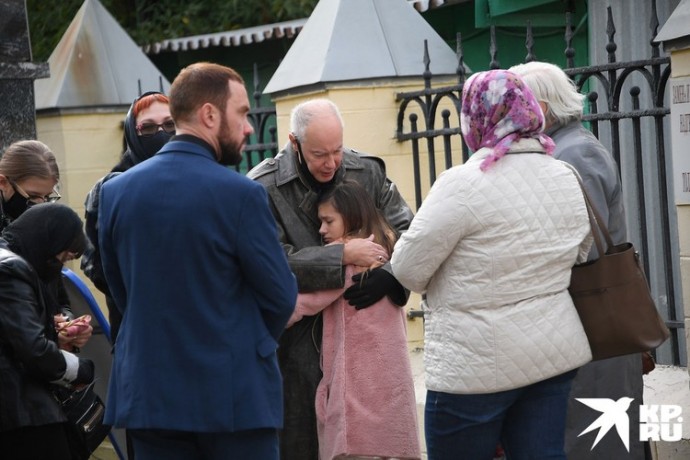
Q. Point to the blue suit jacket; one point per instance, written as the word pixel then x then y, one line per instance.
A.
pixel 191 254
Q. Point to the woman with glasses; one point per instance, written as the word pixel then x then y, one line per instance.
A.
pixel 29 175
pixel 148 127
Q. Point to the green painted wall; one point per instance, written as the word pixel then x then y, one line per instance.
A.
pixel 549 39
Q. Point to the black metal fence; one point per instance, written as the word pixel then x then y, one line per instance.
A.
pixel 418 122
pixel 263 143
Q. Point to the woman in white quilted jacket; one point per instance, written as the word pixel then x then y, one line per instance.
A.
pixel 492 247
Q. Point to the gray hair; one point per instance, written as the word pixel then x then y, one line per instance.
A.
pixel 303 113
pixel 551 85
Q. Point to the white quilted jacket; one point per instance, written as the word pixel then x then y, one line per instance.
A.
pixel 493 251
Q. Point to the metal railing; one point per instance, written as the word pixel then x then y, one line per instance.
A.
pixel 644 179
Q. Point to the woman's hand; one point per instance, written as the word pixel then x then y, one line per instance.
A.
pixel 73 333
pixel 63 341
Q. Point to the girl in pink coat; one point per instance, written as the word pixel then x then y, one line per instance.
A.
pixel 365 403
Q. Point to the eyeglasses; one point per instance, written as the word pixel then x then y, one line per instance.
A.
pixel 35 199
pixel 150 129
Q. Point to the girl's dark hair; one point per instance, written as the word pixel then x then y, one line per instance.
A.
pixel 361 217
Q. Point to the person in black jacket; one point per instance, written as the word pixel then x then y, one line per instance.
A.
pixel 148 127
pixel 33 249
pixel 29 175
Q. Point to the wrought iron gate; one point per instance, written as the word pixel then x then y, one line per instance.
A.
pixel 263 143
pixel 649 213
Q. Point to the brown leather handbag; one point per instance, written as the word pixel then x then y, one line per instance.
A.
pixel 612 297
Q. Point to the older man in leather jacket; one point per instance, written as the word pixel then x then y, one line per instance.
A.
pixel 313 160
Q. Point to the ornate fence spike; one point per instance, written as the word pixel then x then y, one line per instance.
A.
pixel 654 26
pixel 427 66
pixel 610 32
pixel 529 43
pixel 257 92
pixel 460 71
pixel 493 50
pixel 569 50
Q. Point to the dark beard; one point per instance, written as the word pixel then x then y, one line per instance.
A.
pixel 229 155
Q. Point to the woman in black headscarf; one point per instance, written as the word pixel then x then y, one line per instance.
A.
pixel 148 127
pixel 33 249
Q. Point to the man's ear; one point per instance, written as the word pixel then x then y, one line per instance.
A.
pixel 208 115
pixel 293 140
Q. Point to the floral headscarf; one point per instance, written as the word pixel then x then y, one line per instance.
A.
pixel 497 110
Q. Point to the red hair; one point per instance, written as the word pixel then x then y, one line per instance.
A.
pixel 146 102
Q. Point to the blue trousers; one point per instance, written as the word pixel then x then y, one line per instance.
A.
pixel 183 445
pixel 529 422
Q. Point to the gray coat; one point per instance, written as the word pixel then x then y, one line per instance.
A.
pixel 579 147
pixel 616 377
pixel 293 202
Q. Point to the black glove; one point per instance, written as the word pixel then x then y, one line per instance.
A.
pixel 370 287
pixel 85 373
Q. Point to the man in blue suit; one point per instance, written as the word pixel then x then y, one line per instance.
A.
pixel 191 254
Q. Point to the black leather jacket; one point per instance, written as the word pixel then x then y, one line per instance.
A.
pixel 29 359
pixel 293 203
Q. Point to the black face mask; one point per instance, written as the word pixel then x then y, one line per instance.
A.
pixel 49 270
pixel 15 206
pixel 152 144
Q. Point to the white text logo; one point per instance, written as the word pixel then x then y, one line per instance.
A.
pixel 661 422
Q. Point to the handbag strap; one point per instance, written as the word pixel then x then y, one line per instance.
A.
pixel 595 219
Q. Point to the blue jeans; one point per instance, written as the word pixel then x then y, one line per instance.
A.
pixel 529 422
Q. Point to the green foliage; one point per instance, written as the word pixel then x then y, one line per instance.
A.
pixel 153 21
pixel 47 23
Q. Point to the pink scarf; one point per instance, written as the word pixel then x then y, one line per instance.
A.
pixel 497 110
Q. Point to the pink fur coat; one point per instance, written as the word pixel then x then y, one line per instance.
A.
pixel 365 403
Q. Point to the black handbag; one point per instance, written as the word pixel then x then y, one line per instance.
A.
pixel 84 410
pixel 612 297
